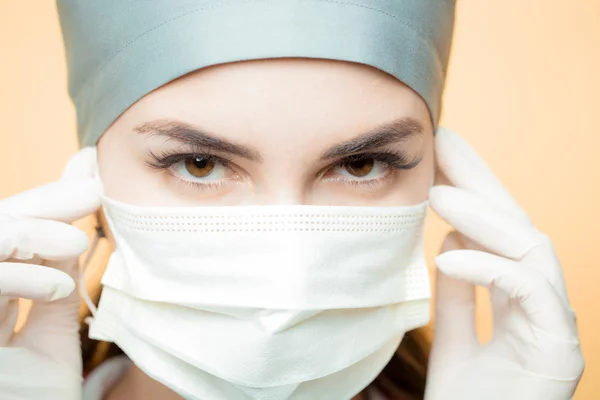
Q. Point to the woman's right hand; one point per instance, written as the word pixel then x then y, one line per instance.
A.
pixel 39 253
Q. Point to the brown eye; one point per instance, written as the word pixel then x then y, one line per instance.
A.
pixel 361 167
pixel 199 167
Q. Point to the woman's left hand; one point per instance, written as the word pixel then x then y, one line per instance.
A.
pixel 534 352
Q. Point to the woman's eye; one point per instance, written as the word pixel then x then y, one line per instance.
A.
pixel 365 168
pixel 199 168
pixel 360 168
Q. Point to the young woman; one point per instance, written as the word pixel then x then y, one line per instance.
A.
pixel 264 170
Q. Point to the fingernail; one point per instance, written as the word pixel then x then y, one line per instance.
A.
pixel 442 269
pixel 437 190
pixel 440 261
pixel 444 260
pixel 438 196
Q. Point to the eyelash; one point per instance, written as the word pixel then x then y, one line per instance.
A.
pixel 398 161
pixel 166 160
pixel 394 160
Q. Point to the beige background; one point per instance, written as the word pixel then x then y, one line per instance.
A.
pixel 522 88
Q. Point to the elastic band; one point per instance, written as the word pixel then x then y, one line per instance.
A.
pixel 98 233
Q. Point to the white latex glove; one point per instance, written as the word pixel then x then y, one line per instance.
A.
pixel 39 261
pixel 534 353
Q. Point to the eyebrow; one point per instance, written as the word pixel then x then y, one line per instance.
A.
pixel 389 133
pixel 188 134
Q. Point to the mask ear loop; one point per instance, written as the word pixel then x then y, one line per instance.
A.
pixel 99 233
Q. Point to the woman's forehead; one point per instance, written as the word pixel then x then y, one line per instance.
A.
pixel 281 100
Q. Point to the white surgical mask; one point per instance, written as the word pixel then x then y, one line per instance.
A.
pixel 263 302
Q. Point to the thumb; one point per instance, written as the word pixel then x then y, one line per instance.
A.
pixel 454 308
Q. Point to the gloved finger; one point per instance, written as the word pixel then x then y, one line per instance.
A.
pixel 454 308
pixel 543 258
pixel 489 228
pixel 538 299
pixel 63 200
pixel 462 166
pixel 483 223
pixel 81 164
pixel 75 195
pixel 53 327
pixel 22 239
pixel 34 282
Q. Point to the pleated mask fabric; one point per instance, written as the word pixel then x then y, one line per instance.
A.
pixel 120 50
pixel 281 302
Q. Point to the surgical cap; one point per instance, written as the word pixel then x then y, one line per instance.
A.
pixel 120 50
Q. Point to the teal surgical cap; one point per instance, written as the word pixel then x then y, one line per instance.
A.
pixel 120 50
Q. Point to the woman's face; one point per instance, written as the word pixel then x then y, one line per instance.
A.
pixel 280 131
